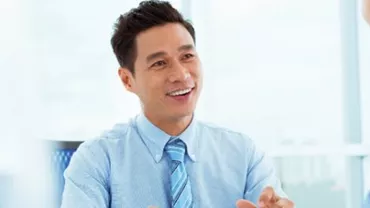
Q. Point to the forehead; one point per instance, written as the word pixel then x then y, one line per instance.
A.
pixel 166 38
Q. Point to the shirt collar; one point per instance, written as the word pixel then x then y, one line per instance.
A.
pixel 156 139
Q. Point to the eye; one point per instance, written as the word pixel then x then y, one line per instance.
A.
pixel 159 64
pixel 188 56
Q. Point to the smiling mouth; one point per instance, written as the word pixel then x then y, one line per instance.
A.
pixel 180 92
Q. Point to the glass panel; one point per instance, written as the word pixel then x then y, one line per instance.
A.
pixel 78 90
pixel 367 176
pixel 314 181
pixel 272 68
pixel 5 189
pixel 364 53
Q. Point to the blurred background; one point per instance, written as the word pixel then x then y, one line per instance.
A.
pixel 292 74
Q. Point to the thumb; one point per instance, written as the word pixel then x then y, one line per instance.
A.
pixel 241 203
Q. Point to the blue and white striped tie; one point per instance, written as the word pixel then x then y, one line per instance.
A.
pixel 180 184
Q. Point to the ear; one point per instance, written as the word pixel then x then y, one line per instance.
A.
pixel 127 78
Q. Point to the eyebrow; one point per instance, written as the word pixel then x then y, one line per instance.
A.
pixel 155 55
pixel 187 47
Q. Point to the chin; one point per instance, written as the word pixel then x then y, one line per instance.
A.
pixel 183 113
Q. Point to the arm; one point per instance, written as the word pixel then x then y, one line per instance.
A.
pixel 86 178
pixel 261 174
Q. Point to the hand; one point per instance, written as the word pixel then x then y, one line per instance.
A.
pixel 268 199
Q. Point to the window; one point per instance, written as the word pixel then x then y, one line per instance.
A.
pixel 285 73
pixel 76 69
pixel 313 181
pixel 275 70
pixel 278 71
pixel 364 65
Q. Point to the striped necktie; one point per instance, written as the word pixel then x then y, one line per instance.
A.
pixel 180 184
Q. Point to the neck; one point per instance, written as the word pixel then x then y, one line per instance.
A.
pixel 172 126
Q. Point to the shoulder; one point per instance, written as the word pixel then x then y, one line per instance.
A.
pixel 236 147
pixel 118 133
pixel 107 141
pixel 211 128
pixel 225 135
pixel 98 153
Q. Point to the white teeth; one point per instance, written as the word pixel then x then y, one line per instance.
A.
pixel 179 92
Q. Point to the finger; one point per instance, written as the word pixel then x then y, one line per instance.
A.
pixel 245 204
pixel 267 197
pixel 285 203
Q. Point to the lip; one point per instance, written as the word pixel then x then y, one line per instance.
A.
pixel 182 98
pixel 184 88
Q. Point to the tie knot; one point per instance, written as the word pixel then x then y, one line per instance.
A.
pixel 176 150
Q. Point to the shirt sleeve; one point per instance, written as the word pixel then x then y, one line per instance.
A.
pixel 260 174
pixel 86 178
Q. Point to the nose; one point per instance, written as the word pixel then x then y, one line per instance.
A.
pixel 179 73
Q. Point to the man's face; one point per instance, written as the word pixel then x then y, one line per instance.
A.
pixel 168 76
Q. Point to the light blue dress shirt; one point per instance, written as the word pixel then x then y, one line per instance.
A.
pixel 127 167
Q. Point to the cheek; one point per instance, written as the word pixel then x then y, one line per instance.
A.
pixel 152 86
pixel 196 76
pixel 195 69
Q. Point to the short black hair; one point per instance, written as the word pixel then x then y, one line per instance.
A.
pixel 147 15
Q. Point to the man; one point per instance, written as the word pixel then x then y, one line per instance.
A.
pixel 164 157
